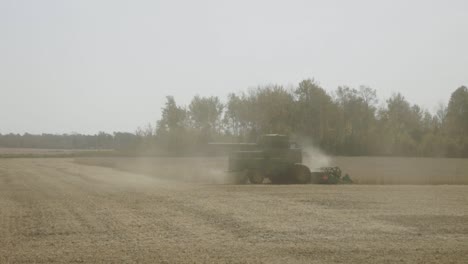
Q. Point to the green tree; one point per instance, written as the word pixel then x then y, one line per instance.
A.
pixel 315 113
pixel 268 109
pixel 357 108
pixel 205 115
pixel 401 127
pixel 273 109
pixel 171 129
pixel 457 122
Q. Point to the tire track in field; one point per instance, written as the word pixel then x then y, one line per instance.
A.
pixel 141 204
pixel 146 216
pixel 44 210
pixel 91 205
pixel 98 210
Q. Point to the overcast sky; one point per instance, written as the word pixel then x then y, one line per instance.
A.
pixel 89 66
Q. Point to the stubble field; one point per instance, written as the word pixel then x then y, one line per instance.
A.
pixel 179 211
pixel 363 170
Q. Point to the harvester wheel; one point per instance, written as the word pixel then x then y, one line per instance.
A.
pixel 301 174
pixel 255 176
pixel 240 177
pixel 280 179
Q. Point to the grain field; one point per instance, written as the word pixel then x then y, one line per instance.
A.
pixel 58 211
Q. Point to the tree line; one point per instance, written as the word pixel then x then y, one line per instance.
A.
pixel 102 140
pixel 347 121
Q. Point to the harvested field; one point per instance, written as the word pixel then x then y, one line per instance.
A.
pixel 363 170
pixel 58 211
pixel 394 170
pixel 34 151
pixel 58 153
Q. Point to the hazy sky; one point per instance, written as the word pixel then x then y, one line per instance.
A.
pixel 89 66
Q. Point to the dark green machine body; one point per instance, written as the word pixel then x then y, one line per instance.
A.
pixel 272 157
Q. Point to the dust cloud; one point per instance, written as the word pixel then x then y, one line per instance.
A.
pixel 190 170
pixel 215 176
pixel 363 170
pixel 315 158
pixel 312 156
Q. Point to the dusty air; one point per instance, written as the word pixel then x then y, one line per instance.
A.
pixel 233 132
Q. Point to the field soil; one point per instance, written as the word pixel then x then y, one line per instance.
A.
pixel 58 211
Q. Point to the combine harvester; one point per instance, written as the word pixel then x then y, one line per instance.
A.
pixel 275 158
